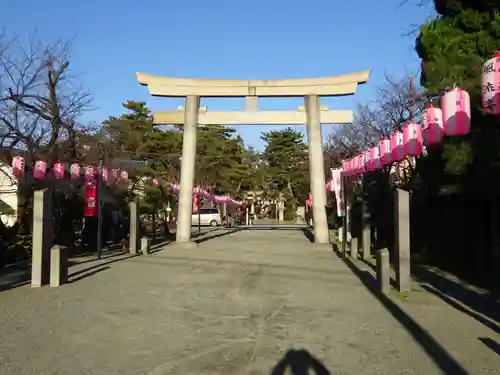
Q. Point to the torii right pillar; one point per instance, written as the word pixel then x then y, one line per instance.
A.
pixel 316 169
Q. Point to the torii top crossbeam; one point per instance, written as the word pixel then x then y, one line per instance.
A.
pixel 323 86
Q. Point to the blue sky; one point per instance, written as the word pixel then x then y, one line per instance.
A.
pixel 258 39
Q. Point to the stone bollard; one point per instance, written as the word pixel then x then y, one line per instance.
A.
pixel 383 271
pixel 354 248
pixel 134 227
pixel 402 240
pixel 42 237
pixel 145 245
pixel 58 265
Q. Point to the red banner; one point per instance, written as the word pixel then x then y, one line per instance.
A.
pixel 90 197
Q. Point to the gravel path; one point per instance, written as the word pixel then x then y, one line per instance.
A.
pixel 236 305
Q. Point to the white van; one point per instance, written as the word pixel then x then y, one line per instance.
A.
pixel 207 216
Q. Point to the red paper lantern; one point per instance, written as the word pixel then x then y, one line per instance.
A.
pixel 491 85
pixel 432 124
pixel 397 146
pixel 59 171
pixel 412 139
pixel 455 105
pixel 39 170
pixel 74 171
pixel 385 151
pixel 18 166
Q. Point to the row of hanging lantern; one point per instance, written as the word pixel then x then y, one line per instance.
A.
pixel 75 171
pixel 218 199
pixel 452 119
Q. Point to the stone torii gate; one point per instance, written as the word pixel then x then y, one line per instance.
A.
pixel 312 114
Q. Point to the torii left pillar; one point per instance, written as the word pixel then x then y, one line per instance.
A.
pixel 316 169
pixel 183 233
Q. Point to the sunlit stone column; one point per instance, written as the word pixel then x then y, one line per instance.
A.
pixel 183 234
pixel 316 169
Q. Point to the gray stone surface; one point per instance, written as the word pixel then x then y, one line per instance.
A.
pixel 234 305
pixel 58 265
pixel 354 248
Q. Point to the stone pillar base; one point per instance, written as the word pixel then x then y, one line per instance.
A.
pixel 181 245
pixel 58 266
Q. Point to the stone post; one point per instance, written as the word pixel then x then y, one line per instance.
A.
pixel 316 168
pixel 42 237
pixel 383 271
pixel 183 233
pixel 58 266
pixel 366 228
pixel 134 227
pixel 402 240
pixel 145 245
pixel 354 248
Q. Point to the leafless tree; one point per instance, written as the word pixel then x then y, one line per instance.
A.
pixel 392 109
pixel 40 102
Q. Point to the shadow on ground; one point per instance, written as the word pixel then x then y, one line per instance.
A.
pixel 299 362
pixel 439 355
pixel 460 296
pixel 20 275
pixel 490 343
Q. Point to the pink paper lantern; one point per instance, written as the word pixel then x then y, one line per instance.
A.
pixel 156 183
pixel 373 162
pixel 74 171
pixel 124 176
pixel 432 124
pixel 385 152
pixel 113 175
pixel 18 166
pixel 104 175
pixel 412 139
pixel 362 163
pixel 39 170
pixel 455 105
pixel 397 146
pixel 491 85
pixel 90 173
pixel 59 171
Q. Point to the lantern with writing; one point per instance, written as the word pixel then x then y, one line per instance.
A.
pixel 412 139
pixel 58 171
pixel 89 173
pixel 432 124
pixel 104 175
pixel 385 152
pixel 124 177
pixel 455 105
pixel 39 170
pixel 491 85
pixel 397 146
pixel 18 165
pixel 74 171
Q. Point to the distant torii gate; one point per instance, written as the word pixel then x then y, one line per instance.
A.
pixel 311 114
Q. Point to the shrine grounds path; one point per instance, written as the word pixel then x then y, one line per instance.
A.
pixel 237 305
